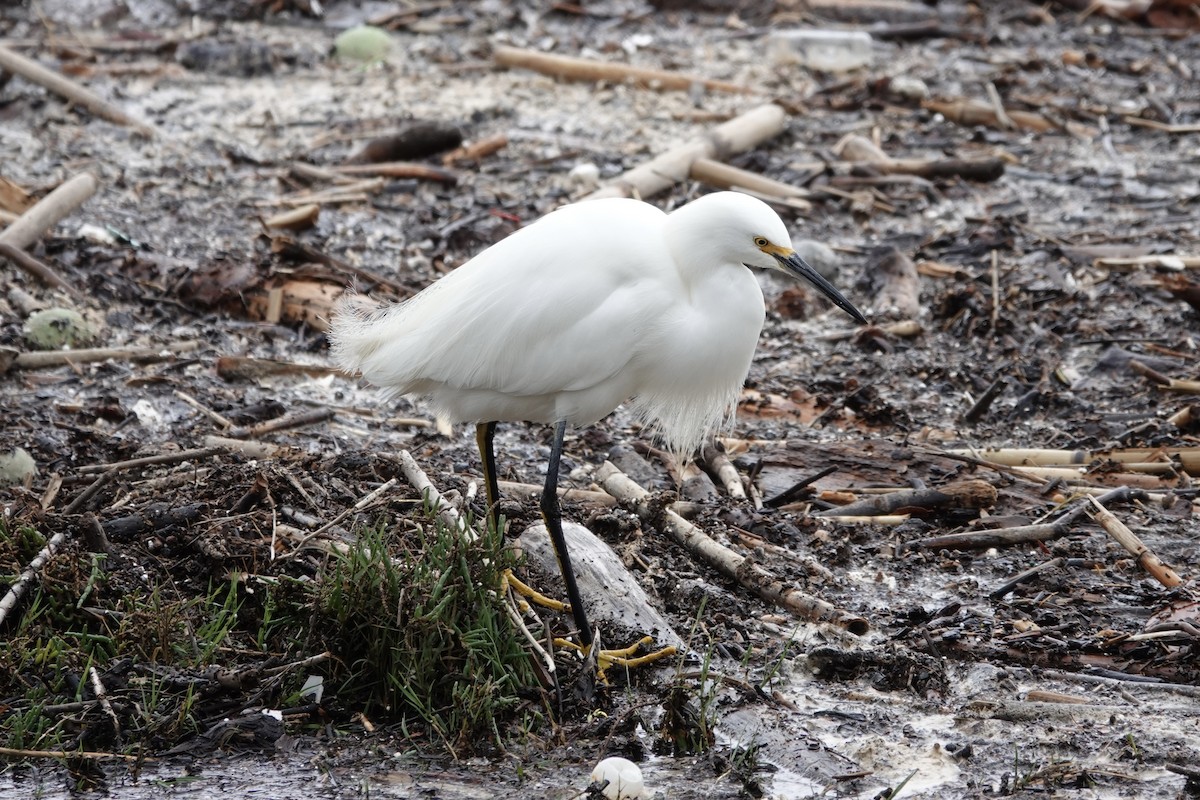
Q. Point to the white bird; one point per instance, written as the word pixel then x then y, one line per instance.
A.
pixel 598 303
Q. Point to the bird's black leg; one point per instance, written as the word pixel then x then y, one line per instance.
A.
pixel 553 519
pixel 485 432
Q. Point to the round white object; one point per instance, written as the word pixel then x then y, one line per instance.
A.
pixel 623 777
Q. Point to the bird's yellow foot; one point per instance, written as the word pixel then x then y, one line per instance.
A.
pixel 524 590
pixel 605 659
pixel 623 657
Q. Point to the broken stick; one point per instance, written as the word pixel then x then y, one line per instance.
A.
pixel 586 69
pixel 32 71
pixel 739 134
pixel 724 560
pixel 47 212
pixel 1129 540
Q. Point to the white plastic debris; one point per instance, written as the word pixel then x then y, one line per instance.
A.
pixel 621 779
pixel 825 50
pixel 585 175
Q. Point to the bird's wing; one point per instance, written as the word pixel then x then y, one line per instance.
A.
pixel 558 306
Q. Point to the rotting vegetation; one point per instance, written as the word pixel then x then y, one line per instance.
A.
pixel 407 628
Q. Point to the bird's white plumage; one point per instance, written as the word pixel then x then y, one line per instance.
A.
pixel 595 304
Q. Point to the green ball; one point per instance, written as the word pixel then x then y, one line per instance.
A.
pixel 16 466
pixel 364 43
pixel 55 328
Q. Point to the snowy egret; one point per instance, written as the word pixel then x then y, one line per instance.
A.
pixel 596 304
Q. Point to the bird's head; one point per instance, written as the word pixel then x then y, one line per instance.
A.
pixel 745 230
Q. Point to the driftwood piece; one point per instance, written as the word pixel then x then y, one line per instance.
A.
pixel 1129 540
pixel 288 247
pixel 297 219
pixel 149 461
pixel 899 293
pixel 416 140
pixel 1134 457
pixel 586 69
pixel 980 407
pixel 724 560
pixel 48 211
pixel 1015 581
pixel 1164 382
pixel 959 494
pixel 43 272
pixel 420 481
pixel 1169 261
pixel 724 176
pixel 139 355
pixel 298 420
pixel 476 151
pixel 250 449
pixel 232 368
pixel 739 134
pixel 976 112
pixel 859 151
pixel 723 469
pixel 21 585
pixel 400 169
pixel 612 593
pixel 155 517
pixel 32 71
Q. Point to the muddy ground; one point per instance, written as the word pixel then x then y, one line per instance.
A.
pixel 1080 680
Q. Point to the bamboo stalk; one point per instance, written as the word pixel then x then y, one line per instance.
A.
pixel 1188 457
pixel 739 134
pixel 1129 540
pixel 48 211
pixel 724 560
pixel 32 71
pixel 586 69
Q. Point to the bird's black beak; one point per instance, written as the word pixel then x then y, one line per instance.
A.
pixel 794 265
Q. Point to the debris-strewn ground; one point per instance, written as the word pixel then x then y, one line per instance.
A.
pixel 1036 297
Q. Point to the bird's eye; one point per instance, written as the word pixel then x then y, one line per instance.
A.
pixel 760 241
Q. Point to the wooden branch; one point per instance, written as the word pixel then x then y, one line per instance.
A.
pixel 859 152
pixel 298 219
pixel 400 169
pixel 1163 260
pixel 959 494
pixel 141 355
pixel 724 176
pixel 148 461
pixel 48 211
pixel 30 70
pixel 250 449
pixel 1188 457
pixel 1127 539
pixel 586 69
pixel 1015 581
pixel 21 585
pixel 232 368
pixel 1162 381
pixel 722 559
pixel 723 469
pixel 476 151
pixel 298 420
pixel 13 752
pixel 739 134
pixel 43 272
pixel 975 112
pixel 565 494
pixel 425 488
